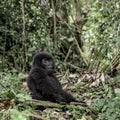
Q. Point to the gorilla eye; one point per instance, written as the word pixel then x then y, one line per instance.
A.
pixel 45 61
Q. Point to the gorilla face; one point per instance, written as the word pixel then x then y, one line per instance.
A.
pixel 48 65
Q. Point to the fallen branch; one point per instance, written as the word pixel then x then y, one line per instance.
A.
pixel 72 105
pixel 48 104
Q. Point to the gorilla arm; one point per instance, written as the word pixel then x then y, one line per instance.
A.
pixel 34 78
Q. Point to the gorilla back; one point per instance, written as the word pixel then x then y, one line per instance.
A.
pixel 43 83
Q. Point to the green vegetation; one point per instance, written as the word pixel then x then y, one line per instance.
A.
pixel 84 38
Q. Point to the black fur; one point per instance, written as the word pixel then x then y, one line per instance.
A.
pixel 43 83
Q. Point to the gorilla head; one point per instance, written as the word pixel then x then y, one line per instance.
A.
pixel 44 60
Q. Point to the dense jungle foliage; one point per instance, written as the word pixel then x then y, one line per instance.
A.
pixel 84 38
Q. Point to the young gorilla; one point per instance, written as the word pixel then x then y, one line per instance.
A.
pixel 42 82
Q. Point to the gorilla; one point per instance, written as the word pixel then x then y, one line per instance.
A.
pixel 42 82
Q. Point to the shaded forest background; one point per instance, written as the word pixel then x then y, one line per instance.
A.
pixel 84 38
